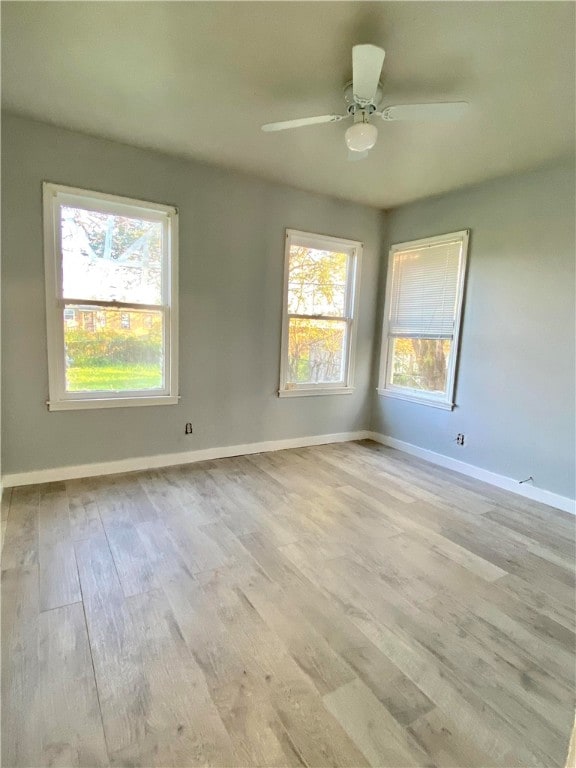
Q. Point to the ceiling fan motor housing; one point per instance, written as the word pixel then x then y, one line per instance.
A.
pixel 353 104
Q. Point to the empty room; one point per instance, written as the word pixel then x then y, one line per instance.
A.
pixel 288 384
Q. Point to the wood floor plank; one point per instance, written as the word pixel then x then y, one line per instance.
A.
pixel 202 553
pixel 57 562
pixel 251 665
pixel 21 537
pixel 121 514
pixel 258 736
pixel 499 684
pixel 475 719
pixel 516 602
pixel 560 535
pixel 116 649
pixel 176 747
pixel 323 666
pixel 314 732
pixel 424 486
pixel 21 698
pixel 546 602
pixel 253 513
pixel 559 555
pixel 240 617
pixel 434 541
pixel 84 514
pixel 373 729
pixel 293 482
pixel 227 542
pixel 167 560
pixel 511 623
pixel 133 565
pixel 4 512
pixel 186 708
pixel 123 495
pixel 359 521
pixel 526 698
pixel 440 738
pixel 235 675
pixel 271 493
pixel 72 731
pixel 400 696
pixel 167 492
pixel 328 524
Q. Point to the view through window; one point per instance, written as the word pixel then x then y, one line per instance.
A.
pixel 111 296
pixel 321 275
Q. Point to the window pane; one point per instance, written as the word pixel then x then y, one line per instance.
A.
pixel 317 282
pixel 420 363
pixel 316 351
pixel 110 258
pixel 108 350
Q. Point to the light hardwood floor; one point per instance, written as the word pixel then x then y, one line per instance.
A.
pixel 342 605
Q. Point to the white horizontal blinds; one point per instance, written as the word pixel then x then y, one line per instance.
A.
pixel 424 291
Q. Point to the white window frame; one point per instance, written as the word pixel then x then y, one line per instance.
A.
pixel 337 244
pixel 56 195
pixel 446 400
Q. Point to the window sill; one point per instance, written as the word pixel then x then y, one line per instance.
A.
pixel 446 406
pixel 111 402
pixel 312 392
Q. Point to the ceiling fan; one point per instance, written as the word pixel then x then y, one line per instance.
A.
pixel 363 96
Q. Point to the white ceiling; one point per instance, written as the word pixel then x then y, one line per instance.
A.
pixel 199 78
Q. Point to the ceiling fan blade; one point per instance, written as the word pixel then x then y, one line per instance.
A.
pixel 299 122
pixel 441 110
pixel 367 63
pixel 353 156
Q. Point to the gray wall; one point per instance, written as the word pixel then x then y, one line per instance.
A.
pixel 515 385
pixel 231 272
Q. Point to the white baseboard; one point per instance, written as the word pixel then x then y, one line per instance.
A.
pixel 207 454
pixel 500 481
pixel 172 459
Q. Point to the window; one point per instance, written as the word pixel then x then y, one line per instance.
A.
pixel 111 300
pixel 424 292
pixel 320 307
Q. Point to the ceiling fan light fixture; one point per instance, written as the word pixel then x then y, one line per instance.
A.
pixel 361 136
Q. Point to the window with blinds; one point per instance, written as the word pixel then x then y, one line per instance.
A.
pixel 422 318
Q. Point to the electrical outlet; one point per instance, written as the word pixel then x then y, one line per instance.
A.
pixel 188 428
pixel 460 438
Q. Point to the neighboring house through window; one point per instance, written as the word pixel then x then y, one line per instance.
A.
pixel 320 309
pixel 424 294
pixel 111 300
